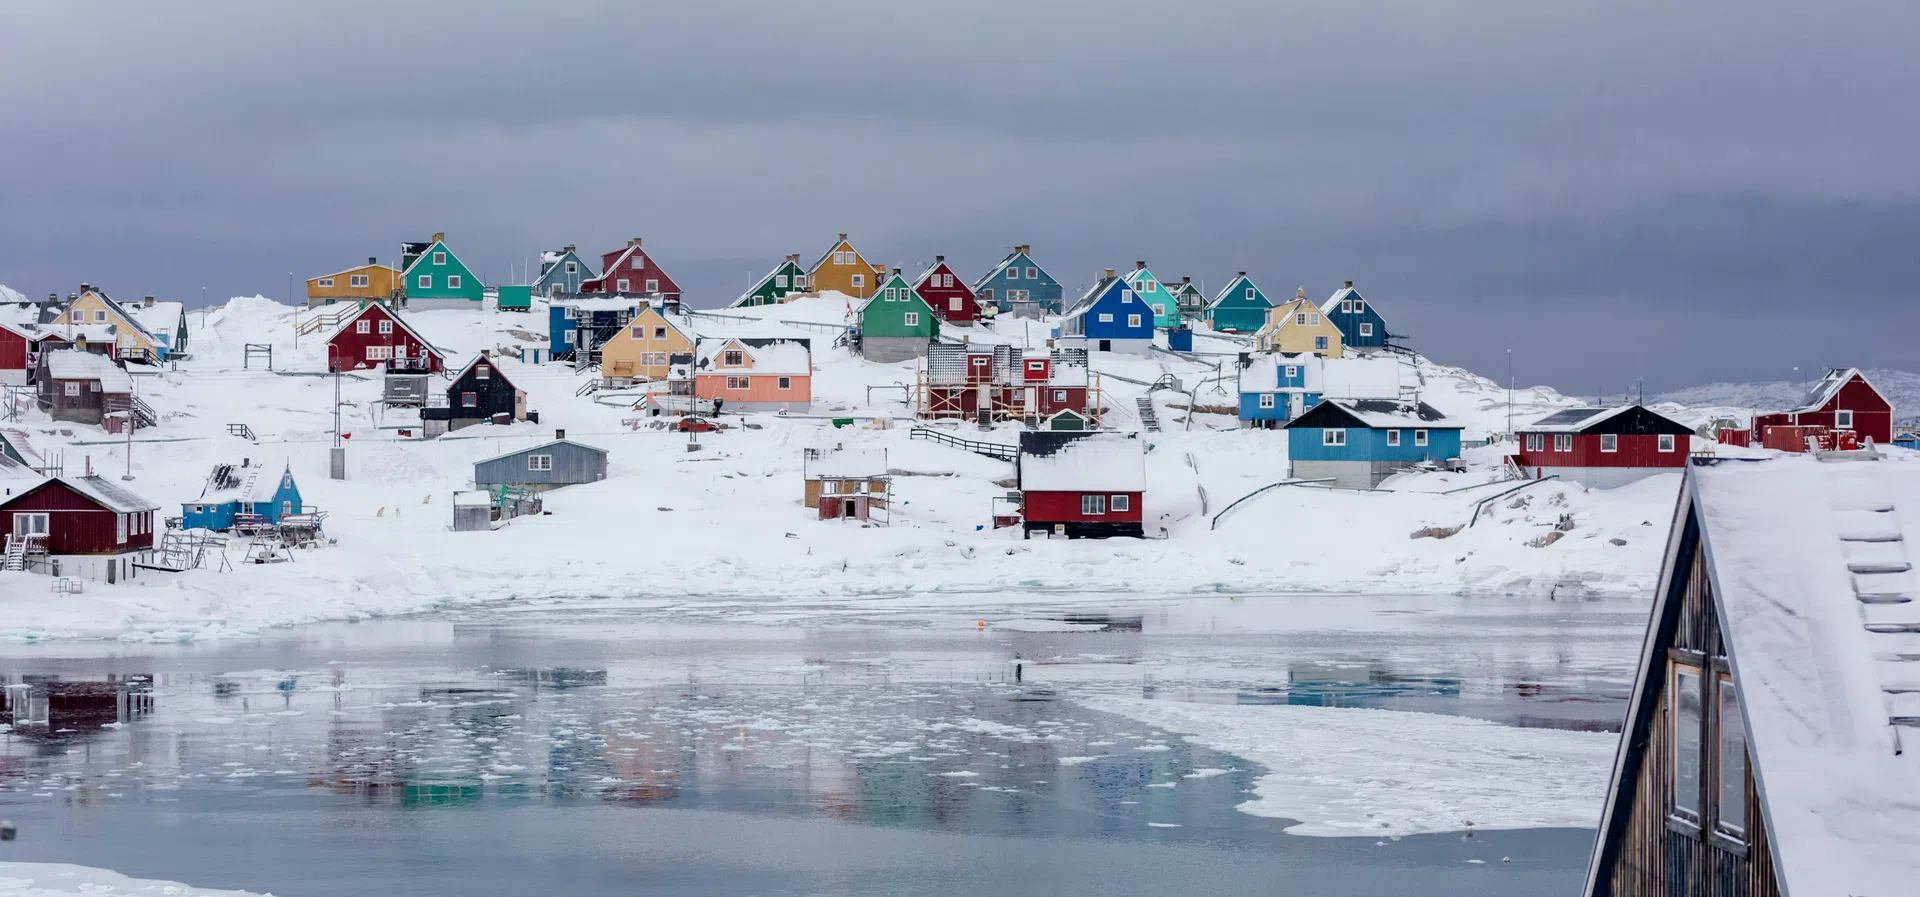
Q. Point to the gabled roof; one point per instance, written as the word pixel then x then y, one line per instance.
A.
pixel 1829 386
pixel 74 364
pixel 843 241
pixel 846 463
pixel 264 487
pixel 1375 414
pixel 426 252
pixel 162 319
pixel 769 276
pixel 492 360
pixel 1011 257
pixel 1330 378
pixel 544 445
pixel 109 494
pixel 620 262
pixel 20 330
pixel 1333 302
pixel 1066 461
pixel 880 291
pixel 1235 288
pixel 356 269
pixel 119 310
pixel 646 307
pixel 1132 275
pixel 397 320
pixel 1088 299
pixel 551 259
pixel 1820 673
pixel 770 355
pixel 23 446
pixel 1619 419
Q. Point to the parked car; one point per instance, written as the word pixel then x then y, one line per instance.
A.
pixel 694 425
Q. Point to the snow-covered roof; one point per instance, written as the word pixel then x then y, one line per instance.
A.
pixel 549 257
pixel 995 272
pixel 765 355
pixel 265 484
pixel 123 314
pixel 1824 391
pixel 24 331
pixel 1821 672
pixel 23 445
pixel 110 495
pixel 1383 413
pixel 1092 463
pixel 1572 420
pixel 544 445
pixel 846 463
pixel 608 303
pixel 161 318
pixel 472 498
pixel 1335 378
pixel 1236 287
pixel 368 308
pixel 353 270
pixel 74 364
pixel 1262 373
pixel 1332 304
pixel 1091 296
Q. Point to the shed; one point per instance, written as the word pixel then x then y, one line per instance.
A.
pixel 1081 485
pixel 472 511
pixel 1068 420
pixel 561 462
pixel 1602 448
pixel 242 494
pixel 1770 739
pixel 846 483
pixel 514 298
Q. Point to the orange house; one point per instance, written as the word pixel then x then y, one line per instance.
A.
pixel 371 281
pixel 845 270
pixel 754 374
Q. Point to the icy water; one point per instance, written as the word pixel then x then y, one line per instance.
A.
pixel 840 748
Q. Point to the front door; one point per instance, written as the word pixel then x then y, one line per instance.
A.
pixel 850 509
pixel 983 397
pixel 1030 400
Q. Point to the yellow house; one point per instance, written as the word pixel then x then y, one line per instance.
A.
pixel 1298 326
pixel 843 269
pixel 643 348
pixel 371 281
pixel 94 316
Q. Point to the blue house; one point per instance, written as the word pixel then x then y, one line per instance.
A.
pixel 1277 387
pixel 560 273
pixel 1019 284
pixel 1359 442
pixel 1240 308
pixel 1361 326
pixel 1108 317
pixel 587 323
pixel 238 495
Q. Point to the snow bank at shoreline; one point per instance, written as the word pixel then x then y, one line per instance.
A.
pixel 62 880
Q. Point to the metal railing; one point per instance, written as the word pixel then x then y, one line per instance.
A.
pixel 998 450
pixel 1262 490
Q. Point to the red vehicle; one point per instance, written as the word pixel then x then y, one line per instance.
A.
pixel 695 425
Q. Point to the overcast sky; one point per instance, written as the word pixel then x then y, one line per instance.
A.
pixel 1613 190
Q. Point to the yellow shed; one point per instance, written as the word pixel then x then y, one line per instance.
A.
pixel 643 348
pixel 1298 326
pixel 845 270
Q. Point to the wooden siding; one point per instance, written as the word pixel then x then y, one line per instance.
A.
pixel 571 464
pixel 1872 416
pixel 347 348
pixel 1631 451
pixel 1653 858
pixel 15 350
pixel 833 275
pixel 762 389
pixel 382 282
pixel 127 333
pixel 76 524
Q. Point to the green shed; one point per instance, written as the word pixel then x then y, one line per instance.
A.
pixel 515 298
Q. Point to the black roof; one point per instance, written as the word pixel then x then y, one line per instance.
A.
pixel 1632 420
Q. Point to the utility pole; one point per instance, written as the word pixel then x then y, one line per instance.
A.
pixel 1509 395
pixel 338 457
pixel 130 400
pixel 296 311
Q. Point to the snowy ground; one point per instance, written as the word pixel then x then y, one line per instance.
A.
pixel 61 880
pixel 728 522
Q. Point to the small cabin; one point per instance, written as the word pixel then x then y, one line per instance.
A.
pixel 1602 448
pixel 242 495
pixel 1081 485
pixel 846 484
pixel 472 511
pixel 87 527
pixel 1357 443
pixel 81 387
pixel 1843 402
pixel 561 462
pixel 479 394
pixel 1772 737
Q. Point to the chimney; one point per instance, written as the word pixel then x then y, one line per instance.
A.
pixel 1023 249
pixel 146 302
pixel 634 242
pixel 896 271
pixel 483 353
pixel 1139 265
pixel 843 238
pixel 84 286
pixel 1185 280
pixel 439 237
pixel 1243 274
pixel 1349 284
pixel 569 248
pixel 559 434
pixel 794 258
pixel 1300 293
pixel 938 259
pixel 373 260
pixel 1109 272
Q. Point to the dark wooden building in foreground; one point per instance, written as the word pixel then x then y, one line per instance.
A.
pixel 1772 741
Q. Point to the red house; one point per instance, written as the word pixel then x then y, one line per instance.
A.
pixel 89 527
pixel 962 380
pixel 16 354
pixel 1842 402
pixel 949 296
pixel 1602 448
pixel 378 336
pixel 632 272
pixel 1081 485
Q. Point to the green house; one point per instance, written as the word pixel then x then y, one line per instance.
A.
pixel 434 277
pixel 1166 309
pixel 895 323
pixel 785 279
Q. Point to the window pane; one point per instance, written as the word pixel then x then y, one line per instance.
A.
pixel 1732 807
pixel 1686 742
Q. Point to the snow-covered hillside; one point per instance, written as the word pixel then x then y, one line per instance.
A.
pixel 1902 388
pixel 727 522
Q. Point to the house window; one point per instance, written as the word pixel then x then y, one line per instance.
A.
pixel 567 312
pixel 622 284
pixel 358 280
pixel 453 281
pixel 1013 273
pixel 1106 319
pixel 1843 420
pixel 733 358
pixel 573 267
pixel 99 316
pixel 30 524
pixel 653 286
pixel 326 281
pixel 482 372
pixel 426 281
pixel 840 258
pixel 1419 437
pixel 639 262
pixel 780 280
pixel 1249 292
pixel 1333 436
pixel 786 382
pixel 1320 343
pixel 1121 503
pixel 1346 306
pixel 1313 318
pixel 1563 442
pixel 1393 437
pixel 439 258
pixel 469 400
pixel 79 317
pixel 1359 306
pixel 1266 400
pixel 1300 319
pixel 638 332
pixel 1293 370
pixel 1033 273
pixel 911 319
pixel 1160 309
pixel 1684 712
pixel 1609 442
pixel 1059 395
pixel 386 327
pixel 859 281
pixel 1366 329
pixel 1133 320
pixel 737 382
pixel 363 327
pixel 1126 295
pixel 659 333
pixel 379 353
pixel 1036 365
pixel 953 304
pixel 73 387
pixel 119 527
pixel 1666 442
pixel 1730 810
pixel 799 281
pixel 1093 505
pixel 539 462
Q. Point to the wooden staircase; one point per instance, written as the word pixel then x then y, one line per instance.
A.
pixel 328 320
pixel 16 556
pixel 1883 581
pixel 1149 419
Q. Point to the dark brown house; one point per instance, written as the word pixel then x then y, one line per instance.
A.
pixel 82 387
pixel 1772 742
pixel 478 394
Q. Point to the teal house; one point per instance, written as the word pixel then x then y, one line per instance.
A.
pixel 1148 288
pixel 433 277
pixel 1188 300
pixel 1357 443
pixel 1240 308
pixel 241 496
pixel 896 323
pixel 1019 284
pixel 561 272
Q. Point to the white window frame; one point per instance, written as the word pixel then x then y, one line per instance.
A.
pixel 79 316
pixel 99 316
pixel 119 529
pixel 780 280
pixel 573 267
pixel 1033 273
pixel 1609 442
pixel 1133 320
pixel 540 462
pixel 859 281
pixel 653 286
pixel 386 327
pixel 659 332
pixel 1393 438
pixel 32 523
pixel 1093 505
pixel 1420 437
pixel 1266 400
pixel 483 372
pixel 1300 319
pixel 326 282
pixel 1563 442
pixel 639 262
pixel 424 281
pixel 737 383
pixel 1120 504
pixel 73 387
pixel 911 319
pixel 623 284
pixel 733 358
pixel 1691 815
pixel 1059 395
pixel 1843 419
pixel 954 304
pixel 1366 329
pixel 1333 436
pixel 363 326
pixel 1293 370
pixel 1106 319
pixel 359 280
pixel 784 383
pixel 1666 442
pixel 453 281
pixel 439 258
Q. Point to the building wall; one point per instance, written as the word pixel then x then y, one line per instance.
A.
pixel 954 304
pixel 76 525
pixel 622 356
pixel 1283 331
pixel 885 317
pixel 763 392
pixel 493 395
pixel 888 349
pixel 381 283
pixel 1237 313
pixel 571 464
pixel 1872 417
pixel 1598 477
pixel 1345 474
pixel 636 269
pixel 14 352
pixel 556 280
pixel 831 275
pixel 437 292
pixel 1043 290
pixel 1307 444
pixel 769 291
pixel 1349 324
pixel 126 332
pixel 1633 451
pixel 347 349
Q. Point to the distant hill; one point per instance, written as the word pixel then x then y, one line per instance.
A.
pixel 1902 388
pixel 9 294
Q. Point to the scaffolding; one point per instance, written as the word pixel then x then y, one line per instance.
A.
pixel 989 384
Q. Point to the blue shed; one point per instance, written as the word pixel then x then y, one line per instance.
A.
pixel 1361 326
pixel 1240 308
pixel 1018 283
pixel 561 272
pixel 1108 317
pixel 1359 442
pixel 561 462
pixel 238 495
